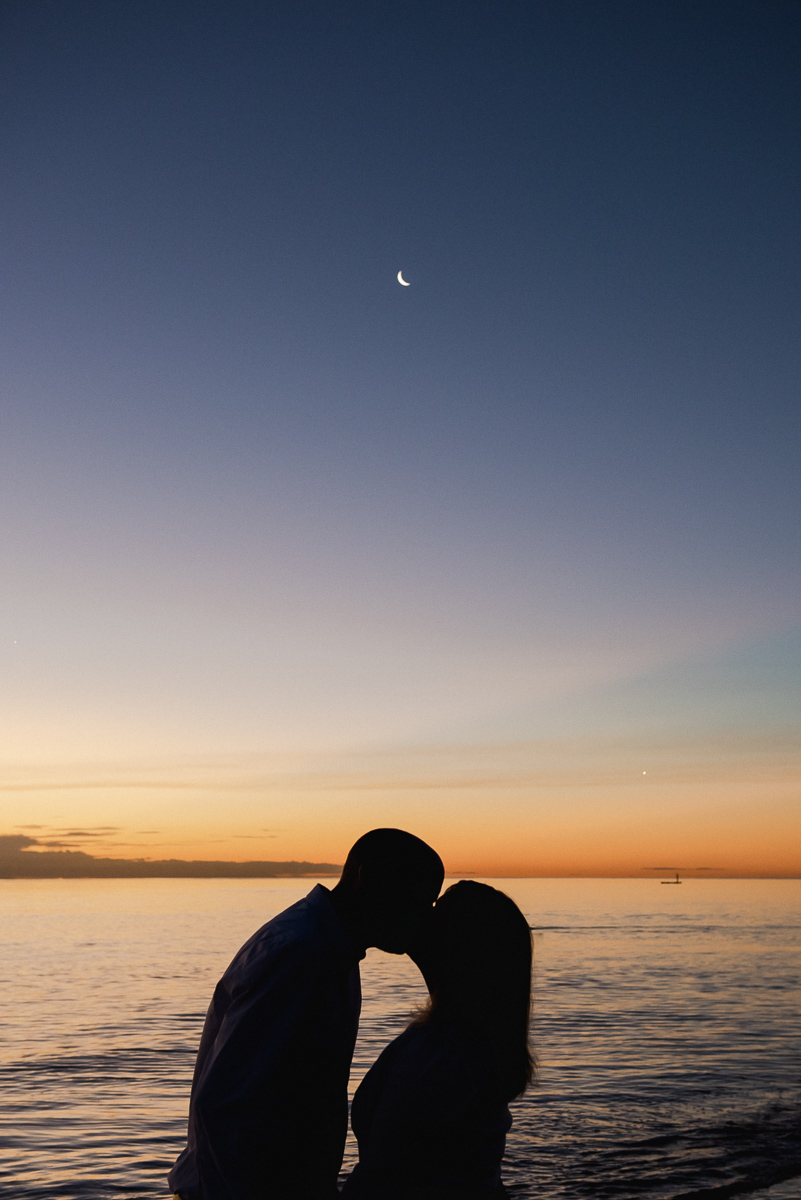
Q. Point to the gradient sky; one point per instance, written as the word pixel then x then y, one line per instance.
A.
pixel 509 557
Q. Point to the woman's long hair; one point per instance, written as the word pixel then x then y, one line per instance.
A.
pixel 475 954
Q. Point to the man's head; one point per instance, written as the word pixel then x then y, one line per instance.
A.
pixel 389 882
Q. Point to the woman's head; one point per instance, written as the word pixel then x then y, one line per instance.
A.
pixel 475 954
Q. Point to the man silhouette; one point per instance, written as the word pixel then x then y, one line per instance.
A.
pixel 268 1111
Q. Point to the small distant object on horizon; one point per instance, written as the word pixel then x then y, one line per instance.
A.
pixel 402 281
pixel 676 870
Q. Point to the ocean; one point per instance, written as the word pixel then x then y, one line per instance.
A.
pixel 666 1025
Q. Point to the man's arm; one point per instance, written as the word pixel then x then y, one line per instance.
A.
pixel 253 1104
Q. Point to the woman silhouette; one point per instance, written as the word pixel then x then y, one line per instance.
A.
pixel 431 1115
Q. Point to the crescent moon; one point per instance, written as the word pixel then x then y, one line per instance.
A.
pixel 402 281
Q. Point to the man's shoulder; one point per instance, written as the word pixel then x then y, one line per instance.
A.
pixel 299 935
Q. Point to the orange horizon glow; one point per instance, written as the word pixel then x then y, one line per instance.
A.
pixel 548 808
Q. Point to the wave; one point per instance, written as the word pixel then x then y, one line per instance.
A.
pixel 714 1160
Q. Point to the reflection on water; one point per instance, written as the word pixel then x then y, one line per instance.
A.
pixel 667 1027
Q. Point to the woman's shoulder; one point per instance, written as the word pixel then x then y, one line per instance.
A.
pixel 436 1054
pixel 428 1038
pixel 439 1036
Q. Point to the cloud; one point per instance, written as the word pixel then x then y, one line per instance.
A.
pixel 81 833
pixel 11 843
pixel 57 837
pixel 51 860
pixel 94 784
pixel 91 831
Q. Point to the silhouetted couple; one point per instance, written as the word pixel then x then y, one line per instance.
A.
pixel 268 1112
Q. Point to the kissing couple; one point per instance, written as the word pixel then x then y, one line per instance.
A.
pixel 269 1110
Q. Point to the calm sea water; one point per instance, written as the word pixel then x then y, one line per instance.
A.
pixel 667 1027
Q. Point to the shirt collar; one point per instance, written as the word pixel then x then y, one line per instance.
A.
pixel 319 899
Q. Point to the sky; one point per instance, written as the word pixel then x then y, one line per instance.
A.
pixel 508 557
